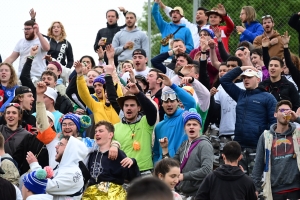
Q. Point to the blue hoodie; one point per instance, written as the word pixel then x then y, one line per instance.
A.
pixel 166 28
pixel 252 31
pixel 172 126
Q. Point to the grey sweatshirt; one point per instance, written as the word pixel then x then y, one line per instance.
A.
pixel 137 36
pixel 199 164
pixel 284 170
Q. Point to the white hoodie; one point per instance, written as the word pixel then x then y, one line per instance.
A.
pixel 68 178
pixel 40 197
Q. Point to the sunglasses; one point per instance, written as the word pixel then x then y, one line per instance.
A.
pixel 242 48
pixel 266 16
pixel 283 109
pixel 16 105
pixel 166 96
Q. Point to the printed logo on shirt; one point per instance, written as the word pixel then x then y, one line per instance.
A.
pixel 61 53
pixel 77 177
pixel 254 101
pixel 283 147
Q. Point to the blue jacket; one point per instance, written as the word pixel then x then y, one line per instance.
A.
pixel 172 127
pixel 252 31
pixel 9 95
pixel 254 110
pixel 166 28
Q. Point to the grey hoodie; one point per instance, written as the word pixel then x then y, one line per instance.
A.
pixel 199 164
pixel 284 170
pixel 139 38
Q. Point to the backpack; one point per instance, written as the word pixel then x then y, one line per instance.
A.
pixel 11 159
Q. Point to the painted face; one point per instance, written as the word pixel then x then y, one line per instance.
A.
pixel 274 69
pixel 192 129
pixel 170 106
pixel 102 136
pixel 5 73
pixel 12 116
pixel 60 149
pixel 56 29
pixel 130 109
pixel 69 128
pixel 171 178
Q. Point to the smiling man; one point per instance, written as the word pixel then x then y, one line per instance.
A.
pixel 254 110
pixel 279 86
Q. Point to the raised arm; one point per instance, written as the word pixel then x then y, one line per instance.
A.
pixel 160 22
pixel 223 53
pixel 294 22
pixel 44 43
pixel 213 55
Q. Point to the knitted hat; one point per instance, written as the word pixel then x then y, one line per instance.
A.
pixel 81 121
pixel 209 31
pixel 36 181
pixel 99 79
pixel 191 114
pixel 51 93
pixel 56 65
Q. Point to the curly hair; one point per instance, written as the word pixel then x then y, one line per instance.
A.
pixel 13 79
pixel 63 32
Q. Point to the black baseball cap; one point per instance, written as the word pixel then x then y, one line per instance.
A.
pixel 139 52
pixel 22 90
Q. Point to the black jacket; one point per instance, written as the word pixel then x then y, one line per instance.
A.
pixel 157 98
pixel 27 121
pixel 63 104
pixel 61 51
pixel 295 24
pixel 8 191
pixel 282 90
pixel 226 182
pixel 30 143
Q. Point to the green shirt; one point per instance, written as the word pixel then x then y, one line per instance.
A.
pixel 143 135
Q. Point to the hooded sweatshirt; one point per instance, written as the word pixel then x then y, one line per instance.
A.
pixel 198 166
pixel 284 169
pixel 137 36
pixel 40 197
pixel 12 138
pixel 67 181
pixel 230 182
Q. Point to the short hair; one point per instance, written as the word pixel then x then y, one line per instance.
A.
pixel 278 59
pixel 91 59
pixel 186 56
pixel 257 51
pixel 49 73
pixel 246 44
pixel 13 80
pixel 164 166
pixel 63 31
pixel 132 13
pixel 232 151
pixel 127 61
pixel 1 141
pixel 149 188
pixel 113 10
pixel 109 127
pixel 196 68
pixel 234 58
pixel 178 40
pixel 250 13
pixel 157 73
pixel 66 137
pixel 223 63
pixel 283 102
pixel 29 23
pixel 202 8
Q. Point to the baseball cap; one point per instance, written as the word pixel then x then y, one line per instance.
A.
pixel 22 90
pixel 178 8
pixel 250 73
pixel 51 93
pixel 139 52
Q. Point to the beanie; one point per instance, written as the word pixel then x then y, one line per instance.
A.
pixel 57 65
pixel 191 114
pixel 81 121
pixel 36 181
pixel 99 79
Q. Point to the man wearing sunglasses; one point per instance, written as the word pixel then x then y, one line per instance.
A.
pixel 277 156
pixel 172 126
pixel 270 38
pixel 254 110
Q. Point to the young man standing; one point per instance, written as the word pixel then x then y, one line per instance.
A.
pixel 277 157
pixel 229 180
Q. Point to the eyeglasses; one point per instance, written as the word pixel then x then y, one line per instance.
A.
pixel 27 29
pixel 283 109
pixel 166 96
pixel 242 48
pixel 266 16
pixel 68 125
pixel 60 144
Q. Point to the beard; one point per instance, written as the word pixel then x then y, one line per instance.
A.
pixel 30 36
pixel 200 22
pixel 175 21
pixel 58 159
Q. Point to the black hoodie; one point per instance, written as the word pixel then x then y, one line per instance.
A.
pixel 227 182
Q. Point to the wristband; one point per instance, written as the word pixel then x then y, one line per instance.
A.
pixel 31 57
pixel 203 52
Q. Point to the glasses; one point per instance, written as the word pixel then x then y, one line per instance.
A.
pixel 283 109
pixel 166 96
pixel 68 125
pixel 242 48
pixel 60 144
pixel 27 29
pixel 266 16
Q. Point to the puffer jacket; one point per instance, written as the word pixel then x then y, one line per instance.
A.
pixel 254 110
pixel 282 90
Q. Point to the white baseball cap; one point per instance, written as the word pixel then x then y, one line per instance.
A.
pixel 51 93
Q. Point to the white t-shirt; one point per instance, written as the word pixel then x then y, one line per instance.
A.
pixel 144 73
pixel 23 47
pixel 228 114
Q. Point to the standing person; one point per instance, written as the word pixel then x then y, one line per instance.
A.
pixel 254 106
pixel 8 84
pixel 33 37
pixel 277 157
pixel 216 16
pixel 229 180
pixel 295 24
pixel 129 38
pixel 172 30
pixel 252 27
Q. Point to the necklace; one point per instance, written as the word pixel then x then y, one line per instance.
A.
pixel 95 176
pixel 135 145
pixel 133 131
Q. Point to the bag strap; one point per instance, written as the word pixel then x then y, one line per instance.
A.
pixel 180 27
pixel 185 159
pixel 10 137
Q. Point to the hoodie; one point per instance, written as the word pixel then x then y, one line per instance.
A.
pixel 137 36
pixel 284 169
pixel 12 138
pixel 198 166
pixel 230 182
pixel 40 197
pixel 67 182
pixel 252 30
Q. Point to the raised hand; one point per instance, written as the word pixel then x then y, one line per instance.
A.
pixel 197 56
pixel 48 58
pixel 213 91
pixel 132 88
pixel 110 52
pixel 211 44
pixel 32 13
pixel 265 42
pixel 36 28
pixel 185 80
pixel 41 88
pixel 166 80
pixel 221 10
pixel 217 32
pixel 274 41
pixel 186 69
pixel 203 44
pixel 131 76
pixel 78 67
pixel 164 142
pixel 285 38
pixel 30 157
pixel 122 9
pixel 109 69
pixel 34 50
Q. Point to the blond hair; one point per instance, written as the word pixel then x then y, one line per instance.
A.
pixel 13 79
pixel 250 13
pixel 63 32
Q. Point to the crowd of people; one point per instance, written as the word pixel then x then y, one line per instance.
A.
pixel 201 123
